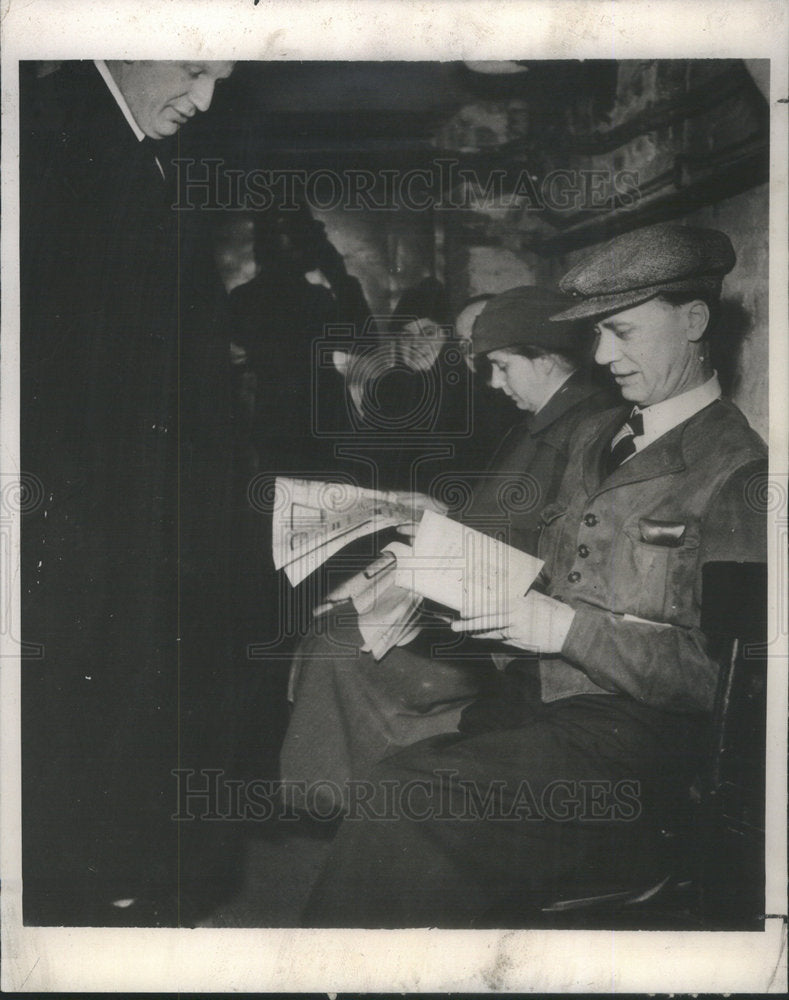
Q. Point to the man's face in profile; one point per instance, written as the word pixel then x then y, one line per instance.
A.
pixel 648 349
pixel 163 95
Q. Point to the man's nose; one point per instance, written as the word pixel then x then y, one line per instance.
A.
pixel 496 378
pixel 202 93
pixel 605 350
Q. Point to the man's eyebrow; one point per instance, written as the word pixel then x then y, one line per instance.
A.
pixel 618 325
pixel 205 67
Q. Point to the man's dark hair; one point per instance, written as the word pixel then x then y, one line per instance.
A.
pixel 710 299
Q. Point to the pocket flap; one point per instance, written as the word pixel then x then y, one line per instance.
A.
pixel 551 512
pixel 672 534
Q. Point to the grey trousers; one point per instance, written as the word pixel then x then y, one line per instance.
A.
pixel 350 711
pixel 462 823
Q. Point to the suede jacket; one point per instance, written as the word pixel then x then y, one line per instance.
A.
pixel 626 551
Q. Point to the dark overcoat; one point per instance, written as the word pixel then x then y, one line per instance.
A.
pixel 126 432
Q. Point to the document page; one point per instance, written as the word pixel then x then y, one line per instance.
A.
pixel 464 569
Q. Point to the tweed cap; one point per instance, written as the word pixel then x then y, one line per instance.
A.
pixel 636 267
pixel 522 316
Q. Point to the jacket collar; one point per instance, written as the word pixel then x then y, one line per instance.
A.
pixel 664 456
pixel 574 390
pixel 98 116
pixel 118 97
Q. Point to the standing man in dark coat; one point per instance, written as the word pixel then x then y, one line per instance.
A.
pixel 126 422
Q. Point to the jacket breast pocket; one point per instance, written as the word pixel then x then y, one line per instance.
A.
pixel 657 571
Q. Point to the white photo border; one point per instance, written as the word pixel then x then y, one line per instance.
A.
pixel 159 960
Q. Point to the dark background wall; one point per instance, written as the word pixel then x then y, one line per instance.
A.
pixel 558 157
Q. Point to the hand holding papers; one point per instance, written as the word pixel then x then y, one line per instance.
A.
pixel 385 612
pixel 313 520
pixel 534 622
pixel 453 565
pixel 388 618
pixel 464 569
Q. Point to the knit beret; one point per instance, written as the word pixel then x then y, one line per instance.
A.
pixel 636 267
pixel 522 316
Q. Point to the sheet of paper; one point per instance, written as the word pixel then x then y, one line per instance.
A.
pixel 387 623
pixel 314 520
pixel 464 569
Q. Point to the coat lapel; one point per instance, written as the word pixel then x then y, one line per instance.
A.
pixel 660 458
pixel 517 450
pixel 575 390
pixel 596 450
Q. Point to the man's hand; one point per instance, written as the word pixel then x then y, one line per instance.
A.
pixel 363 587
pixel 420 501
pixel 417 502
pixel 534 622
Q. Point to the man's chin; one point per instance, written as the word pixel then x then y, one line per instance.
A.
pixel 164 129
pixel 630 393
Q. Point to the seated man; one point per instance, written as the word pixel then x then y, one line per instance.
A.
pixel 349 710
pixel 453 826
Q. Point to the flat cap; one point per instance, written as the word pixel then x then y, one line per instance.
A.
pixel 636 267
pixel 522 315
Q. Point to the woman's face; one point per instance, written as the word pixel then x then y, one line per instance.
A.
pixel 419 344
pixel 522 379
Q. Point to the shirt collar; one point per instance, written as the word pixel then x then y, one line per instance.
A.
pixel 662 417
pixel 120 100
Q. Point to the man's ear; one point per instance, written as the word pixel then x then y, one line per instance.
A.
pixel 698 315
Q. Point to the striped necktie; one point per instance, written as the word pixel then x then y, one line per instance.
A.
pixel 623 444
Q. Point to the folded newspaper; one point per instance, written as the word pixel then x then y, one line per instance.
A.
pixel 314 520
pixel 449 563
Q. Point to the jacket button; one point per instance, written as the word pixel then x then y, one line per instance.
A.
pixel 574 577
pixel 590 520
pixel 583 551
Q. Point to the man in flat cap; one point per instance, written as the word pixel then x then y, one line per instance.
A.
pixel 652 492
pixel 349 710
